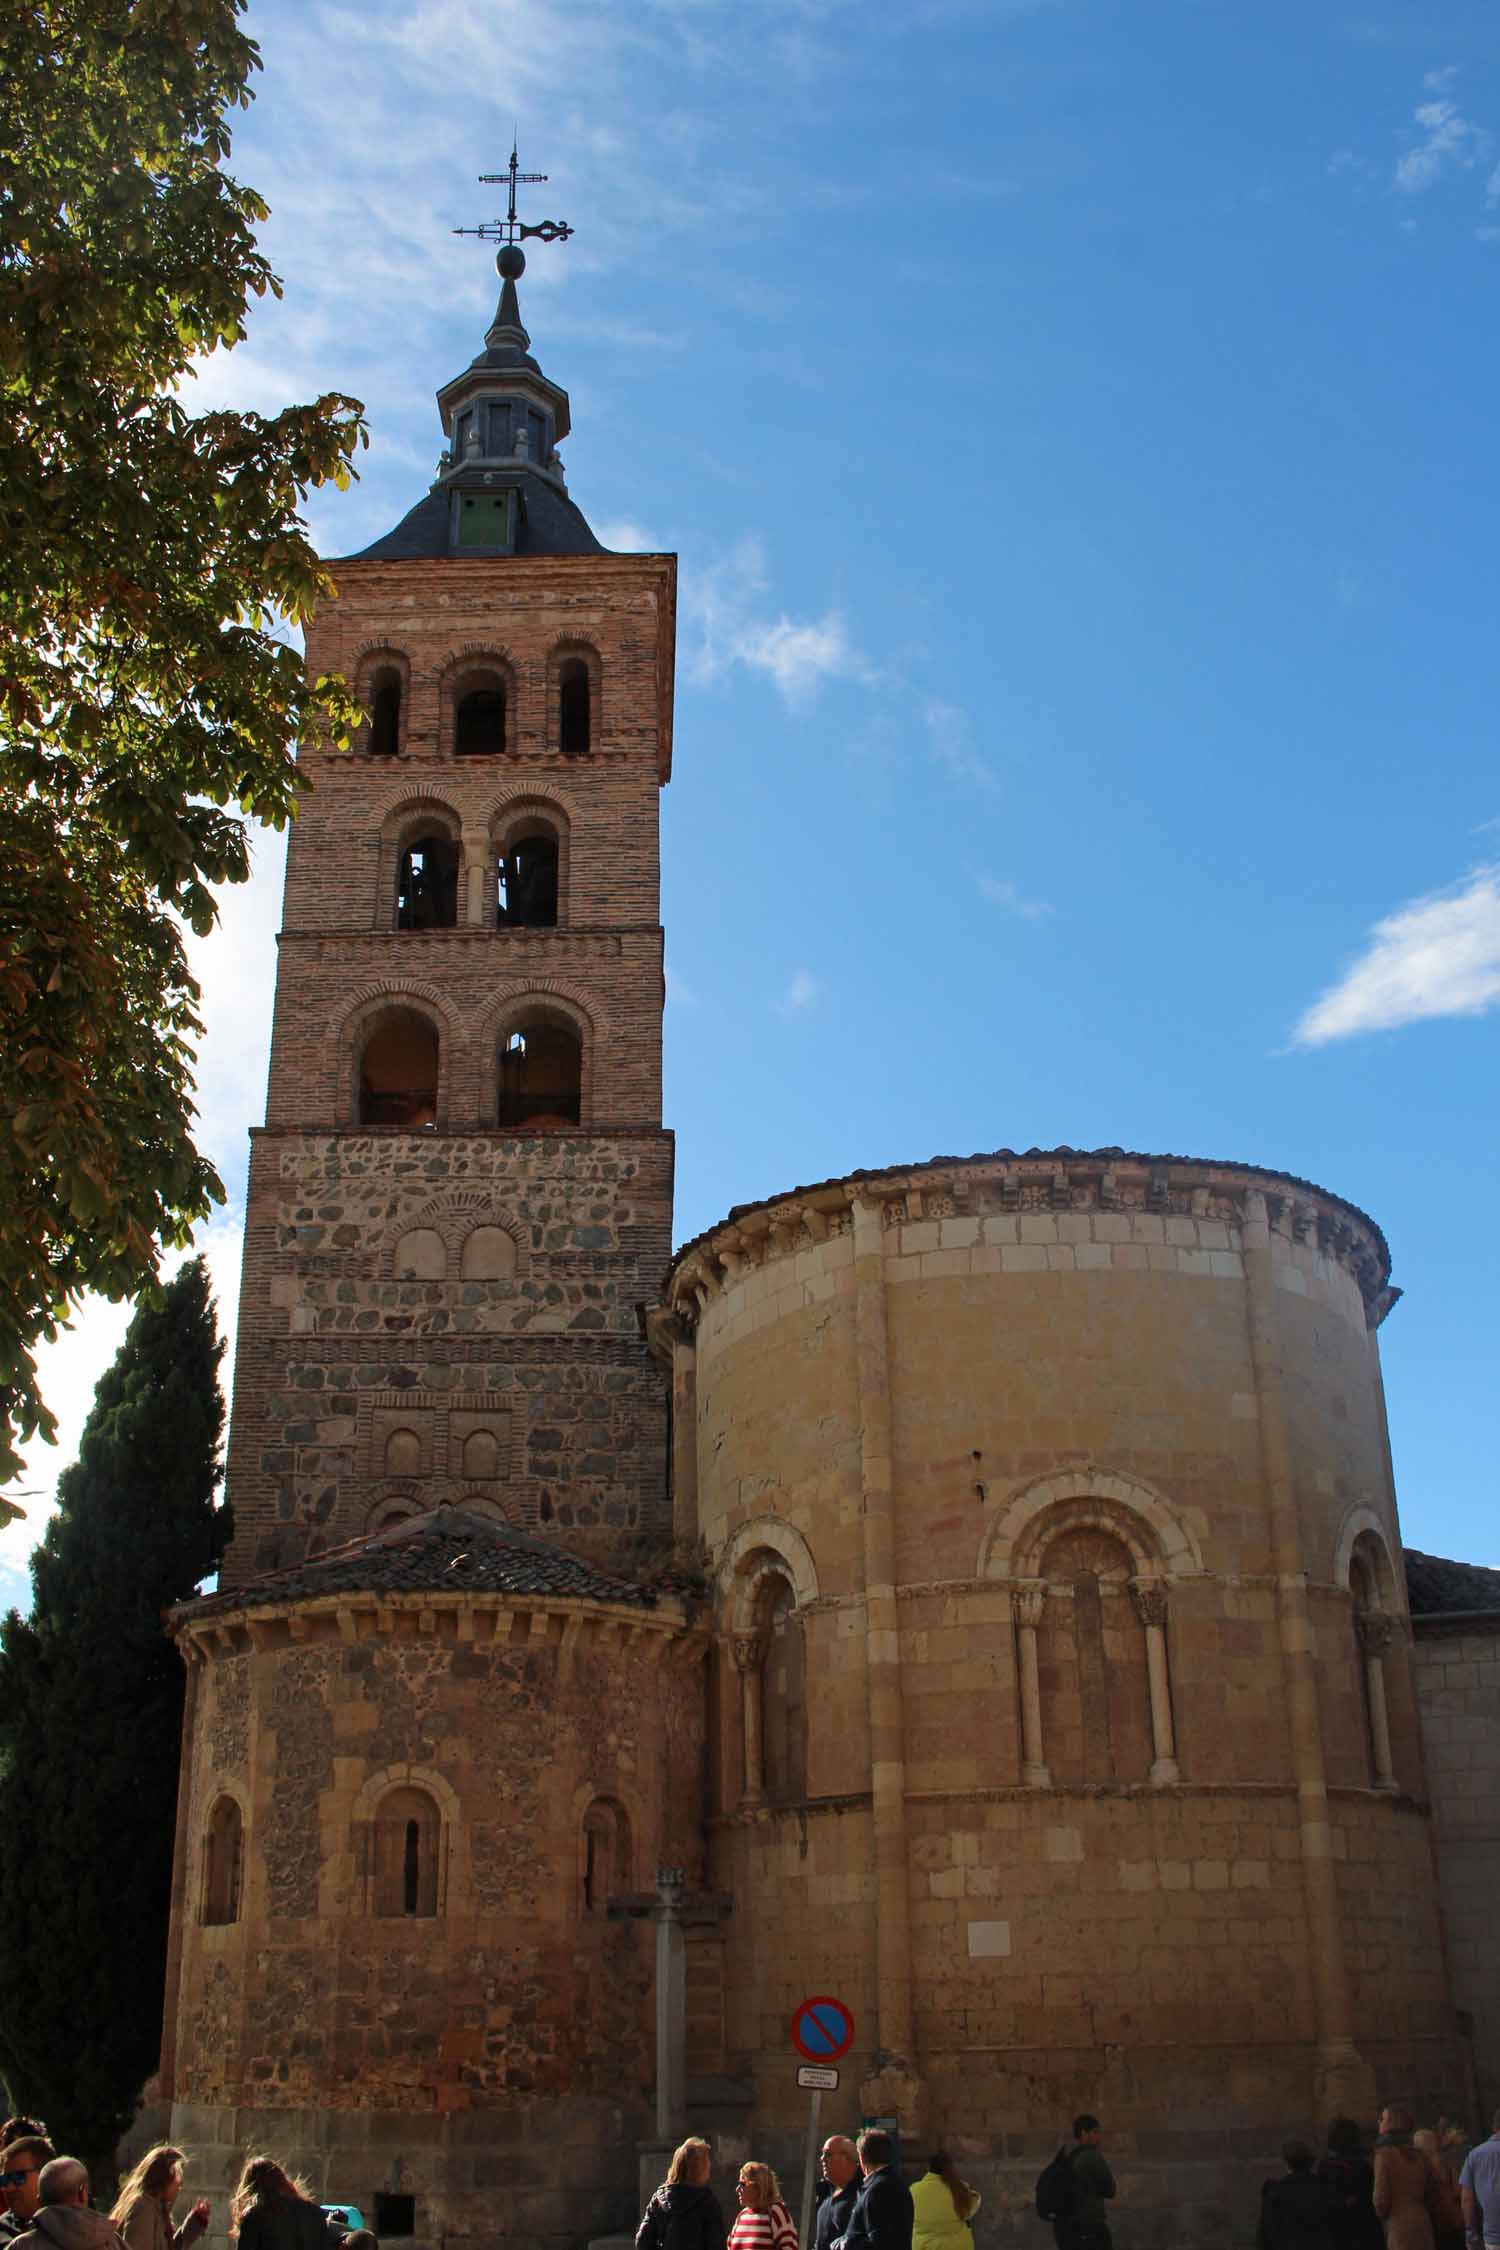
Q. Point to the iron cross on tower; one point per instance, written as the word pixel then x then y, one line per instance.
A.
pixel 510 232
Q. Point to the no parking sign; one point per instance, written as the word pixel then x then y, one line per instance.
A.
pixel 822 2029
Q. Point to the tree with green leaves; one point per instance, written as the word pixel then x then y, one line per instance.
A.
pixel 91 1700
pixel 150 699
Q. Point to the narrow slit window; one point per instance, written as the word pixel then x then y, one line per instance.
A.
pixel 574 717
pixel 385 715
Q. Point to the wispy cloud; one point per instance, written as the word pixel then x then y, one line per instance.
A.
pixel 1439 956
pixel 800 994
pixel 724 604
pixel 680 993
pixel 1442 138
pixel 1000 891
pixel 950 735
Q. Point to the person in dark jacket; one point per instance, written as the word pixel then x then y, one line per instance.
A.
pixel 840 2164
pixel 1349 2172
pixel 684 2213
pixel 270 2211
pixel 22 2156
pixel 882 2214
pixel 1086 2226
pixel 1298 2211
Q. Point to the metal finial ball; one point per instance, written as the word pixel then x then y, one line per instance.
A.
pixel 510 262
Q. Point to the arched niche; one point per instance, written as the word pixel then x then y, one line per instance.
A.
pixel 1152 1530
pixel 223 1862
pixel 421 1254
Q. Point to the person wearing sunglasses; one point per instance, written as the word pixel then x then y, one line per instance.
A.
pixel 20 2164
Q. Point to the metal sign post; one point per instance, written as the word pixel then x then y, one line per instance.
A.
pixel 822 2030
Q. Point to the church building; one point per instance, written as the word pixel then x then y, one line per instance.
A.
pixel 972 1590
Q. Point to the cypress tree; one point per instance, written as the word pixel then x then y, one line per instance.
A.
pixel 91 1699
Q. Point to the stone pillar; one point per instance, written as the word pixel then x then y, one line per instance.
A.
pixel 1150 1598
pixel 1345 2084
pixel 476 859
pixel 191 1652
pixel 749 1658
pixel 1027 1603
pixel 895 2086
pixel 1374 1639
pixel 671 2010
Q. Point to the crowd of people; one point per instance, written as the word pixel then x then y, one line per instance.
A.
pixel 1423 2189
pixel 1418 2189
pixel 48 2203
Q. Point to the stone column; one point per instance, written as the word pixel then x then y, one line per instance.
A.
pixel 1374 1639
pixel 749 1658
pixel 476 859
pixel 895 2086
pixel 1345 2084
pixel 684 1435
pixel 1150 1598
pixel 1027 1603
pixel 671 2010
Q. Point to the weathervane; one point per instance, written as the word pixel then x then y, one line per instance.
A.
pixel 510 232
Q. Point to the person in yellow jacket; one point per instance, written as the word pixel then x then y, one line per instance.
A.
pixel 942 2206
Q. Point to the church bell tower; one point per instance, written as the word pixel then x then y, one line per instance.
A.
pixel 462 1191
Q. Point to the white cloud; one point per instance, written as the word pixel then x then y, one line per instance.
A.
pixel 723 605
pixel 950 734
pixel 1447 139
pixel 1439 956
pixel 622 535
pixel 680 993
pixel 800 994
pixel 1000 891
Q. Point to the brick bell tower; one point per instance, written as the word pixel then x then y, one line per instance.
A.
pixel 462 1191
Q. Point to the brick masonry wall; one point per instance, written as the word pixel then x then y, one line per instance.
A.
pixel 337 1349
pixel 1458 1696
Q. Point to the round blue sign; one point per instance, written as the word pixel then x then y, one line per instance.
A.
pixel 822 2029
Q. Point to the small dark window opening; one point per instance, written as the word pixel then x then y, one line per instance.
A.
pixel 541 1073
pixel 573 709
pixel 395 2214
pixel 411 1869
pixel 526 897
pixel 479 724
pixel 398 1073
pixel 590 1869
pixel 427 890
pixel 385 716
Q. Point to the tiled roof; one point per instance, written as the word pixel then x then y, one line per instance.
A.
pixel 448 1550
pixel 1435 1587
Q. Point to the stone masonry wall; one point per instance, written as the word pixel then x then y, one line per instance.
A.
pixel 337 1353
pixel 1458 1694
pixel 493 2059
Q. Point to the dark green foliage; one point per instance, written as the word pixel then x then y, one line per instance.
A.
pixel 150 698
pixel 91 1696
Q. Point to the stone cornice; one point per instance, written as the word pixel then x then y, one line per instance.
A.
pixel 568 1624
pixel 1058 1181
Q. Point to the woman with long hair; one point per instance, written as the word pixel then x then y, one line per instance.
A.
pixel 143 2207
pixel 763 2221
pixel 684 2205
pixel 942 2205
pixel 269 2210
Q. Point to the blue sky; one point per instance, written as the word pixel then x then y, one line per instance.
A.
pixel 1075 421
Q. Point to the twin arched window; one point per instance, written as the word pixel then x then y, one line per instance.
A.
pixel 539 1072
pixel 481 724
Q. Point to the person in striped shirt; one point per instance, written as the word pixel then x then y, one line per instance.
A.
pixel 764 2222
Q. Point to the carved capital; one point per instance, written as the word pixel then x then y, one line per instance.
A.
pixel 1027 1604
pixel 749 1650
pixel 1150 1598
pixel 1374 1632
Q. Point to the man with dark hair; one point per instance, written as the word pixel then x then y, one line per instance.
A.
pixel 22 2156
pixel 882 2214
pixel 1084 2226
pixel 1299 2211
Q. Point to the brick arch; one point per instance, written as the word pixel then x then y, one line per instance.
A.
pixel 455 1216
pixel 521 800
pixel 368 1004
pixel 744 1565
pixel 578 1000
pixel 541 994
pixel 473 657
pixel 403 1493
pixel 399 822
pixel 1150 1526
